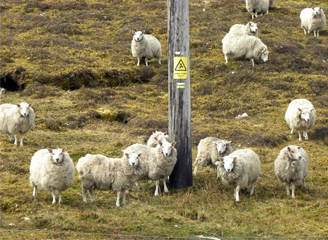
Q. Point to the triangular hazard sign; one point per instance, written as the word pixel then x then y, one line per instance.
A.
pixel 180 66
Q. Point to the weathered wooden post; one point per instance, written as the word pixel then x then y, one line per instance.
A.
pixel 179 91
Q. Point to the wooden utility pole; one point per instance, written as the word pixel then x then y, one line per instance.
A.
pixel 179 91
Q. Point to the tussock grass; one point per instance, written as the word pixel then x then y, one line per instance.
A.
pixel 72 61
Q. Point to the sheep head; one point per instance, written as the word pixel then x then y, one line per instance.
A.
pixel 293 155
pixel 138 36
pixel 24 109
pixel 166 147
pixel 305 114
pixel 133 158
pixel 221 147
pixel 57 155
pixel 229 163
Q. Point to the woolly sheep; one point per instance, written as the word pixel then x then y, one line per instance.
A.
pixel 291 167
pixel 238 46
pixel 249 29
pixel 313 19
pixel 51 170
pixel 239 169
pixel 16 119
pixel 103 173
pixel 210 150
pixel 255 7
pixel 300 116
pixel 157 163
pixel 157 136
pixel 145 46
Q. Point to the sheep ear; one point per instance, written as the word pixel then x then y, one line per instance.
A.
pixel 234 159
pixel 156 138
pixel 126 154
pixel 299 148
pixel 299 109
pixel 165 133
pixel 18 105
pixel 250 24
pixel 139 154
pixel 173 144
pixel 133 31
pixel 64 149
pixel 288 149
pixel 312 109
pixel 50 150
pixel 160 143
pixel 30 104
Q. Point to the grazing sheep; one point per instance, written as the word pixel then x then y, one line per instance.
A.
pixel 2 91
pixel 291 167
pixel 16 119
pixel 250 29
pixel 239 169
pixel 313 19
pixel 103 173
pixel 157 163
pixel 157 136
pixel 210 150
pixel 238 46
pixel 300 116
pixel 51 170
pixel 257 7
pixel 145 46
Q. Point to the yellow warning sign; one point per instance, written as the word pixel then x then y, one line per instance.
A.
pixel 180 68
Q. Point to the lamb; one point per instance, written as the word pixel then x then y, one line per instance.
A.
pixel 239 169
pixel 210 150
pixel 238 46
pixel 291 167
pixel 255 7
pixel 16 119
pixel 300 116
pixel 249 29
pixel 157 136
pixel 157 163
pixel 51 170
pixel 145 46
pixel 103 173
pixel 313 19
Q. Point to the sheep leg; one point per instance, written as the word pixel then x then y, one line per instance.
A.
pixel 195 169
pixel 237 193
pixel 10 137
pixel 157 187
pixel 138 61
pixel 166 190
pixel 292 131
pixel 252 61
pixel 318 33
pixel 21 140
pixel 299 136
pixel 159 61
pixel 93 199
pixel 123 200
pixel 305 135
pixel 226 58
pixel 138 185
pixel 34 191
pixel 314 33
pixel 293 190
pixel 118 199
pixel 15 136
pixel 84 194
pixel 146 61
pixel 304 182
pixel 60 197
pixel 53 197
pixel 252 189
pixel 287 188
pixel 304 31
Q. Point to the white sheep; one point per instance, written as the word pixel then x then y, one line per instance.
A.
pixel 313 19
pixel 16 118
pixel 239 169
pixel 157 136
pixel 210 150
pixel 238 46
pixel 51 170
pixel 103 173
pixel 250 29
pixel 300 116
pixel 257 7
pixel 145 46
pixel 157 163
pixel 291 167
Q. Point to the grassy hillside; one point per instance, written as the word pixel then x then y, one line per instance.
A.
pixel 72 60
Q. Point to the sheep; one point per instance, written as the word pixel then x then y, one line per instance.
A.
pixel 291 167
pixel 157 136
pixel 249 29
pixel 51 170
pixel 255 7
pixel 237 46
pixel 157 163
pixel 16 119
pixel 313 19
pixel 239 169
pixel 300 116
pixel 210 150
pixel 145 46
pixel 103 173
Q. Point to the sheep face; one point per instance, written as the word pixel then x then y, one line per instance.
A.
pixel 229 163
pixel 294 155
pixel 222 146
pixel 305 114
pixel 57 155
pixel 317 12
pixel 253 27
pixel 133 158
pixel 265 55
pixel 24 109
pixel 166 147
pixel 138 36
